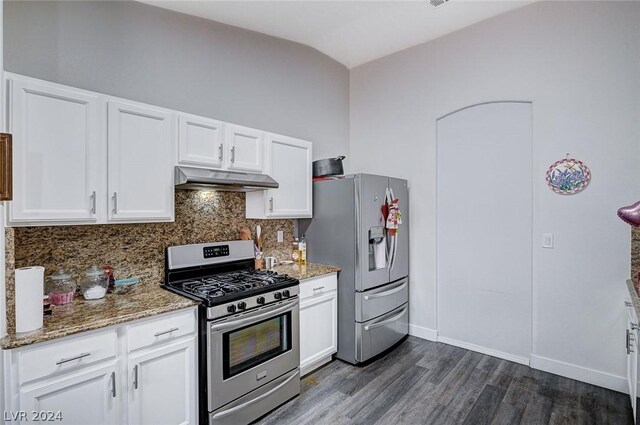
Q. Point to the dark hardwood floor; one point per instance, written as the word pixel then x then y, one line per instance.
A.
pixel 423 382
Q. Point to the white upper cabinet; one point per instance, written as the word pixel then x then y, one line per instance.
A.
pixel 58 149
pixel 245 147
pixel 141 144
pixel 289 162
pixel 87 158
pixel 201 142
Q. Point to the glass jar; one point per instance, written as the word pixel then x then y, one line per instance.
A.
pixel 94 283
pixel 60 287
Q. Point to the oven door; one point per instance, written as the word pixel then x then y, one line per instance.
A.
pixel 249 350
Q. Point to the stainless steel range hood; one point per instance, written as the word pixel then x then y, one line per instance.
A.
pixel 206 179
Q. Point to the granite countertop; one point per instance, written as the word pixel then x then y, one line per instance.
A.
pixel 633 293
pixel 82 316
pixel 305 272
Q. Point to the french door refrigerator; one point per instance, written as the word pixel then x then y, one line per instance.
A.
pixel 350 229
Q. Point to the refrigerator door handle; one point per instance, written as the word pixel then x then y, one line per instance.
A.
pixel 394 244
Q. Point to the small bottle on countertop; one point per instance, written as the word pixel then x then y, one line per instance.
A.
pixel 302 247
pixel 295 252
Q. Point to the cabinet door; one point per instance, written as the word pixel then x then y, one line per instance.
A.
pixel 200 142
pixel 245 148
pixel 632 368
pixel 141 158
pixel 318 328
pixel 163 385
pixel 57 134
pixel 290 163
pixel 87 397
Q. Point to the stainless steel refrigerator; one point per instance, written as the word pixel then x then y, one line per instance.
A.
pixel 349 229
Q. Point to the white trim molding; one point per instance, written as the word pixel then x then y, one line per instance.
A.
pixel 580 373
pixel 423 333
pixel 485 350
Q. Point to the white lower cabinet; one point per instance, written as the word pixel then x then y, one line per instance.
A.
pixel 632 345
pixel 85 397
pixel 163 385
pixel 318 321
pixel 94 381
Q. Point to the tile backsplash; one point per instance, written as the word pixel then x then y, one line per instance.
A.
pixel 138 250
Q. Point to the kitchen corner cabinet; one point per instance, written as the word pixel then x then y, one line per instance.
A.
pixel 58 153
pixel 289 162
pixel 141 144
pixel 318 321
pixel 142 372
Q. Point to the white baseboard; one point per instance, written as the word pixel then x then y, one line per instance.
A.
pixel 557 367
pixel 485 350
pixel 307 369
pixel 424 333
pixel 579 373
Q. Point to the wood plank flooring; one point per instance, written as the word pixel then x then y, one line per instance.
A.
pixel 423 382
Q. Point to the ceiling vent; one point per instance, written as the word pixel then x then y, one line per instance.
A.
pixel 436 3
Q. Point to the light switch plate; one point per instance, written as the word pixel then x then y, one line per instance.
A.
pixel 547 240
pixel 280 236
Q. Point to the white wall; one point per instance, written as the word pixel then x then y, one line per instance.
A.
pixel 579 64
pixel 164 58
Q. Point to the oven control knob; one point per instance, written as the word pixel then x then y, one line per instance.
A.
pixel 231 308
pixel 277 296
pixel 260 300
pixel 286 293
pixel 242 305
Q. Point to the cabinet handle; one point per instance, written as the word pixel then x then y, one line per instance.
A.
pixel 113 384
pixel 628 304
pixel 115 202
pixel 318 288
pixel 628 342
pixel 271 204
pixel 135 377
pixel 93 202
pixel 233 154
pixel 165 332
pixel 70 359
pixel 220 153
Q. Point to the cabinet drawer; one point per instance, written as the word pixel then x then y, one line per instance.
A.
pixel 318 285
pixel 66 355
pixel 161 329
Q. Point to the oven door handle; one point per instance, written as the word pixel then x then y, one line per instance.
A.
pixel 255 400
pixel 247 320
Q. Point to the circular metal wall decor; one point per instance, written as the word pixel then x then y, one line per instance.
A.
pixel 568 176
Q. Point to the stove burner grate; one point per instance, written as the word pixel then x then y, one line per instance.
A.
pixel 219 285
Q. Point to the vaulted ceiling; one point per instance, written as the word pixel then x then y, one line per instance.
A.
pixel 351 32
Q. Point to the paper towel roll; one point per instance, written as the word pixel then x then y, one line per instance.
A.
pixel 29 292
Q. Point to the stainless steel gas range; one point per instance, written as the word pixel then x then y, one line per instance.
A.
pixel 249 352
